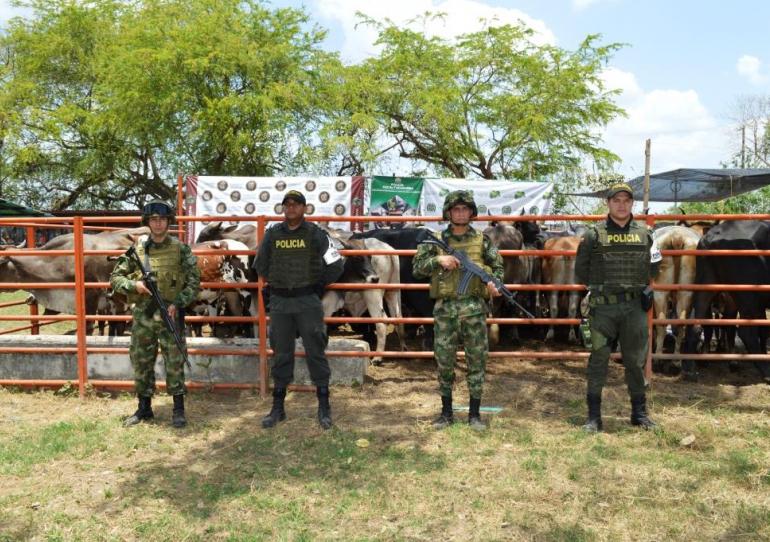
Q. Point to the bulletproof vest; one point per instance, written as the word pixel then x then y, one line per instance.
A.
pixel 165 262
pixel 294 261
pixel 620 260
pixel 443 284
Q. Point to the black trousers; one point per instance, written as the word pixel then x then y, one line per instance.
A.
pixel 301 315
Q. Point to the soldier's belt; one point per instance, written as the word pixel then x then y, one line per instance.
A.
pixel 613 299
pixel 292 292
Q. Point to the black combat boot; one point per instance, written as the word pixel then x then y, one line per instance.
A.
pixel 277 413
pixel 324 410
pixel 177 415
pixel 446 418
pixel 639 412
pixel 594 422
pixel 144 412
pixel 474 415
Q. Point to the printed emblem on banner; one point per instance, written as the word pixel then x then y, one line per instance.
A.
pixel 323 197
pixel 250 208
pixel 431 207
pixel 339 209
pixel 278 209
pixel 190 200
pixel 340 186
pixel 310 209
pixel 506 209
pixel 534 210
pixel 482 209
pixel 519 194
pixel 222 185
pixel 206 196
pixel 264 196
pixel 251 185
pixel 358 202
pixel 443 192
pixel 310 186
pixel 221 208
pixel 280 186
pixel 494 194
pixel 235 195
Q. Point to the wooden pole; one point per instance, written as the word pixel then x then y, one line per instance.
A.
pixel 646 176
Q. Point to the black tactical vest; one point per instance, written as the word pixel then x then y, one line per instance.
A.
pixel 620 260
pixel 295 259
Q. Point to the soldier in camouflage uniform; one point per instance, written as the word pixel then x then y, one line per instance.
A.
pixel 616 259
pixel 178 279
pixel 298 261
pixel 459 317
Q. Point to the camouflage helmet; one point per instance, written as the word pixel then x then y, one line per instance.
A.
pixel 460 197
pixel 157 207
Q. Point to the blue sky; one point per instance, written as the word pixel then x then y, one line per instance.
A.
pixel 686 64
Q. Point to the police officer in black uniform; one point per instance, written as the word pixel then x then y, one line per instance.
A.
pixel 298 261
pixel 616 260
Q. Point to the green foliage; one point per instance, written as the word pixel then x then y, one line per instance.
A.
pixel 489 103
pixel 102 103
pixel 108 100
pixel 750 202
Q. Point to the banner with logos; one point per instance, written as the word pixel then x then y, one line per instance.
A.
pixel 506 198
pixel 222 196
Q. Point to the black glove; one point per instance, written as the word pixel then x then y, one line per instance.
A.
pixel 647 298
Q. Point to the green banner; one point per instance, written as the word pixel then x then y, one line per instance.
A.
pixel 395 196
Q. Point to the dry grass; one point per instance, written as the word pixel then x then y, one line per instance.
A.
pixel 69 471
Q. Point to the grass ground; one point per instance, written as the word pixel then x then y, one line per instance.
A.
pixel 70 471
pixel 23 310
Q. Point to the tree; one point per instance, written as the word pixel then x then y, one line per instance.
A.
pixel 752 116
pixel 108 100
pixel 490 103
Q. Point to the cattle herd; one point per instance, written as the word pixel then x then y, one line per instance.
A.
pixel 216 243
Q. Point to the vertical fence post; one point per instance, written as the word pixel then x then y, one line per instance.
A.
pixel 181 224
pixel 80 307
pixel 31 243
pixel 650 220
pixel 263 369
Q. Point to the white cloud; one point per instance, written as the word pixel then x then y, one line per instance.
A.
pixel 750 67
pixel 461 17
pixel 583 4
pixel 683 132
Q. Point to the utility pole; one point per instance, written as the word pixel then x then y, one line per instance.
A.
pixel 646 176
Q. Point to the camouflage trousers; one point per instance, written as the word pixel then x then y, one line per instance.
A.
pixel 147 333
pixel 626 323
pixel 455 320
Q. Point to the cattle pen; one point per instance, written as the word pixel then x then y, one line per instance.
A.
pixel 261 353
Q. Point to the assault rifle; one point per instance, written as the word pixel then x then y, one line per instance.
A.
pixel 473 270
pixel 149 280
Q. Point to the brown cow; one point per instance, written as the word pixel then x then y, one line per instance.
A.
pixel 230 268
pixel 561 270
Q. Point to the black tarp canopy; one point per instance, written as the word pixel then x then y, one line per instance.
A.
pixel 8 208
pixel 681 185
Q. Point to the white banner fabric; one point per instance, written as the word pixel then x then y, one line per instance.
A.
pixel 500 198
pixel 253 196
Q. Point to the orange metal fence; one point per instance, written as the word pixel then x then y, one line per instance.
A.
pixel 262 352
